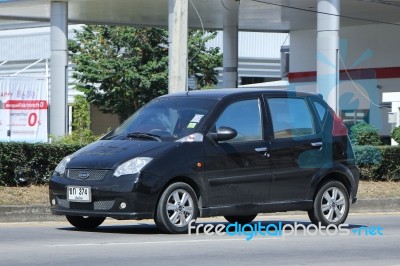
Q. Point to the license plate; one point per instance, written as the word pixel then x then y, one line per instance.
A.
pixel 79 194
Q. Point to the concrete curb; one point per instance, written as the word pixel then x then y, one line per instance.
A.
pixel 41 213
pixel 30 213
pixel 376 205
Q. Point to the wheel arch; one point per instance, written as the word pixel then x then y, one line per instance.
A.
pixel 333 176
pixel 184 179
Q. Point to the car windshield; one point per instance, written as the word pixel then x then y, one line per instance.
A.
pixel 165 119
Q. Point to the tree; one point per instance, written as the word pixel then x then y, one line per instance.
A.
pixel 121 68
pixel 203 61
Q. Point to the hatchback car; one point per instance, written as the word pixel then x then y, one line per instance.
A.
pixel 227 152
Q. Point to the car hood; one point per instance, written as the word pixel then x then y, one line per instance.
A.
pixel 108 154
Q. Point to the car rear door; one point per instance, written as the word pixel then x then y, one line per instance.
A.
pixel 296 148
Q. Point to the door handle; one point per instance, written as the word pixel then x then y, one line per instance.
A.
pixel 264 150
pixel 317 144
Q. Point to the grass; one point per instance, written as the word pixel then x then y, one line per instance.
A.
pixel 375 189
pixel 33 195
pixel 37 195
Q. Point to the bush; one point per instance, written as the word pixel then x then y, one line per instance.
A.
pixel 378 162
pixel 26 163
pixel 364 134
pixel 81 133
pixel 82 138
pixel 396 134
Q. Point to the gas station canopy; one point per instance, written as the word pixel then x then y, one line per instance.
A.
pixel 254 15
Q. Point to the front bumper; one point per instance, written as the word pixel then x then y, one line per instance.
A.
pixel 124 197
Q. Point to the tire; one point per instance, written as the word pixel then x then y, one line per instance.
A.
pixel 84 222
pixel 176 208
pixel 331 204
pixel 243 219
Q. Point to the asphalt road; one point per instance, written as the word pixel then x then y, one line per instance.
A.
pixel 370 240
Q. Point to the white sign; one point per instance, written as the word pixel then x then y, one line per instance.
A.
pixel 23 109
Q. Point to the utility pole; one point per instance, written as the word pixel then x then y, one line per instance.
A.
pixel 178 61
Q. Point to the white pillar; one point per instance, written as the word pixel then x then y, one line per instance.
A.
pixel 230 43
pixel 58 68
pixel 328 26
pixel 171 5
pixel 178 68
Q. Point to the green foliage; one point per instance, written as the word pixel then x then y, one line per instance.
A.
pixel 364 134
pixel 26 163
pixel 378 162
pixel 83 138
pixel 203 61
pixel 81 114
pixel 121 68
pixel 81 133
pixel 396 134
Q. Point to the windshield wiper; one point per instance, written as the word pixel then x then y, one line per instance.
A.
pixel 143 135
pixel 114 136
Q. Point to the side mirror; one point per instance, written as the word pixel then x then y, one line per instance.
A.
pixel 223 133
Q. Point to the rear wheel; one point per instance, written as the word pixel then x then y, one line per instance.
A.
pixel 85 222
pixel 176 208
pixel 331 204
pixel 243 219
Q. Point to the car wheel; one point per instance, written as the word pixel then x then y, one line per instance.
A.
pixel 85 222
pixel 176 208
pixel 243 219
pixel 331 204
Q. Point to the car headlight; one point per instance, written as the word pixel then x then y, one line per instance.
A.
pixel 62 165
pixel 132 166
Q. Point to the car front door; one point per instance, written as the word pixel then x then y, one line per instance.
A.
pixel 238 170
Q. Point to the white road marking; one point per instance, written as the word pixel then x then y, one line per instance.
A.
pixel 161 242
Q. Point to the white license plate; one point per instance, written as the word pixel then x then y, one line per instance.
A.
pixel 79 194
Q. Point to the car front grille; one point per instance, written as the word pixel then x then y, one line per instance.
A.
pixel 102 205
pixel 86 174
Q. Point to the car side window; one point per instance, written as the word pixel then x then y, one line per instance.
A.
pixel 245 117
pixel 321 110
pixel 291 117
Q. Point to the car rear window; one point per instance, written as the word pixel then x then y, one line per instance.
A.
pixel 291 117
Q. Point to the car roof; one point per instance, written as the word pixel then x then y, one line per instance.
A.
pixel 234 92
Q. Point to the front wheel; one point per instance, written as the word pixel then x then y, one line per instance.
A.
pixel 176 208
pixel 331 204
pixel 85 222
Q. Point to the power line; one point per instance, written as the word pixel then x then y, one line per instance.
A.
pixel 325 13
pixel 355 84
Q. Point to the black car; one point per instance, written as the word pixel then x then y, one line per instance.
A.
pixel 227 152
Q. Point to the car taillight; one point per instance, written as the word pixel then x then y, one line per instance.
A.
pixel 339 128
